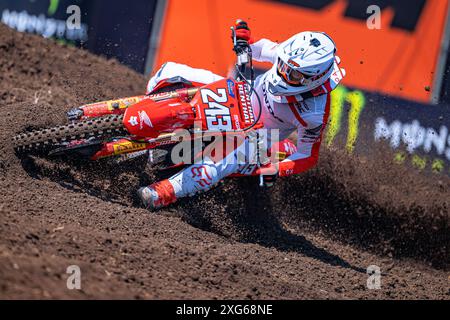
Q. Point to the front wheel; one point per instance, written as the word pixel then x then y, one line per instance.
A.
pixel 44 138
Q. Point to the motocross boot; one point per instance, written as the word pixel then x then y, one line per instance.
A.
pixel 157 195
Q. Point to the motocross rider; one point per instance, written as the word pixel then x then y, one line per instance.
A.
pixel 294 94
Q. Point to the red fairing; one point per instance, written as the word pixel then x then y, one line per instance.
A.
pixel 220 106
pixel 149 119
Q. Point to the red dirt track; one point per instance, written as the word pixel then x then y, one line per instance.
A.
pixel 311 237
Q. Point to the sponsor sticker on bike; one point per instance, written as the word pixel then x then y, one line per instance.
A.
pixel 246 105
pixel 230 84
pixel 125 147
pixel 144 119
pixel 133 121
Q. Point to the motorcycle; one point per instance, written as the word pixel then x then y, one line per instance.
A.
pixel 147 125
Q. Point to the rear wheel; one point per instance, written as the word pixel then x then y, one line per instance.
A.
pixel 46 138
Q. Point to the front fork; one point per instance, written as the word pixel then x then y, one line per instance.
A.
pixel 98 109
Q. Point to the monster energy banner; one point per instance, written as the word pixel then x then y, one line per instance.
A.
pixel 418 134
pixel 104 27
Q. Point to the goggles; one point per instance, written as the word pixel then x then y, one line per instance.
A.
pixel 294 77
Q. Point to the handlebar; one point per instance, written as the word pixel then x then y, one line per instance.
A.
pixel 244 56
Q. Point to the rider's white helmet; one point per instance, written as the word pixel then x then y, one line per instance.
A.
pixel 305 62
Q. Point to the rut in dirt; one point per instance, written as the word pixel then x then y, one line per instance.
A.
pixel 349 208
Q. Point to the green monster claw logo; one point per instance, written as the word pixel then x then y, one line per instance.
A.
pixel 339 97
pixel 52 7
pixel 357 101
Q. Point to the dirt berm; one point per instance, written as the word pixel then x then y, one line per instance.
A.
pixel 312 236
